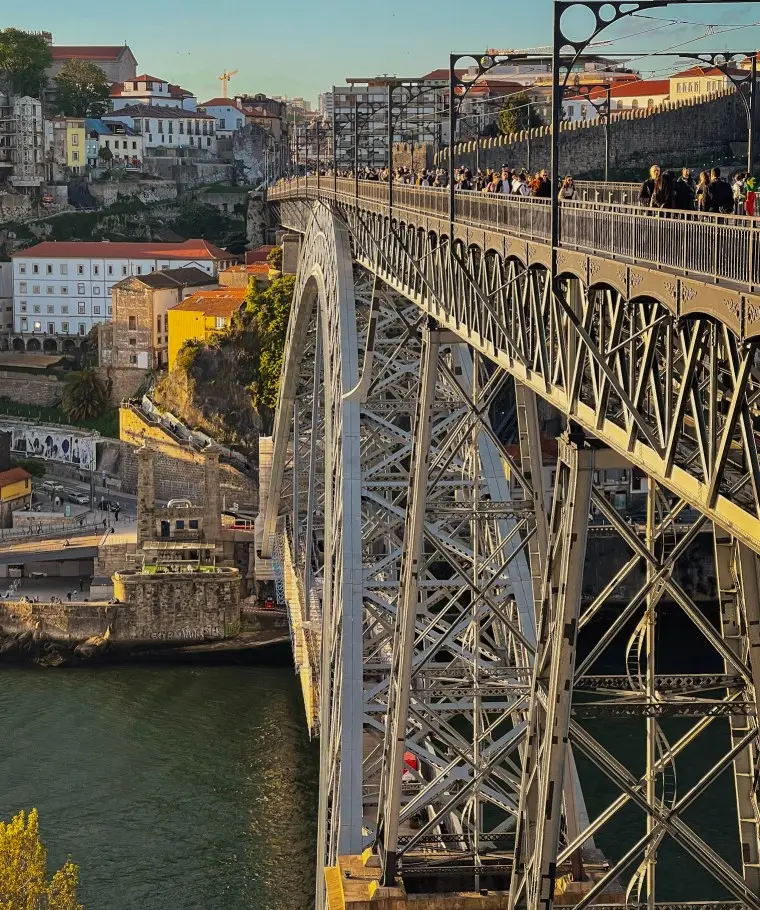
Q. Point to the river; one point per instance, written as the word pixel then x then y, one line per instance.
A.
pixel 170 786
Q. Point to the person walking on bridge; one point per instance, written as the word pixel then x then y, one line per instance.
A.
pixel 647 187
pixel 684 191
pixel 700 193
pixel 719 197
pixel 662 193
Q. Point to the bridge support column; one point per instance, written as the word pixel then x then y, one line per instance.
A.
pixel 146 496
pixel 540 810
pixel 737 572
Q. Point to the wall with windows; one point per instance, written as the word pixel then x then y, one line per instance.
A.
pixel 70 296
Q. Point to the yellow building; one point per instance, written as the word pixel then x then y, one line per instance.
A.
pixel 75 143
pixel 199 316
pixel 15 493
pixel 700 81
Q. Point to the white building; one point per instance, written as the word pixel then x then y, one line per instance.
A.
pixel 22 143
pixel 64 289
pixel 229 116
pixel 168 127
pixel 625 96
pixel 152 91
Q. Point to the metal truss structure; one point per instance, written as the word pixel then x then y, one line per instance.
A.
pixel 460 662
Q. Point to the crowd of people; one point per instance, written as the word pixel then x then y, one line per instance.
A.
pixel 711 192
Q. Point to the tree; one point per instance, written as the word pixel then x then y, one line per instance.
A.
pixel 82 90
pixel 23 870
pixel 84 397
pixel 23 61
pixel 517 114
pixel 274 257
pixel 105 154
pixel 269 311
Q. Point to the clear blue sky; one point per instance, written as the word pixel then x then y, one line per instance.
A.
pixel 302 47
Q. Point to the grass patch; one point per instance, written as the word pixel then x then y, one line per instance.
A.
pixel 107 424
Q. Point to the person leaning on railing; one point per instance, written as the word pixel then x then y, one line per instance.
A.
pixel 647 187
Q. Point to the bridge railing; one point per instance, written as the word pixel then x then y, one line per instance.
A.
pixel 617 193
pixel 720 247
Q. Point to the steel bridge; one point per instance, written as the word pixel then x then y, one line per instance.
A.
pixel 465 684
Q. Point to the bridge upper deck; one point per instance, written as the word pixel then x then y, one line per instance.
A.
pixel 724 249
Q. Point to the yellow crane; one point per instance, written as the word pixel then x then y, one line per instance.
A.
pixel 224 79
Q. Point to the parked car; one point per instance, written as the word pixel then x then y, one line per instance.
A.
pixel 50 486
pixel 82 499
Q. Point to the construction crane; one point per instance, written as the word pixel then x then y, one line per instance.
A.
pixel 224 79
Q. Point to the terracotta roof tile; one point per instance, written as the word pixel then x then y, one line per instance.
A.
pixel 188 249
pixel 13 475
pixel 165 113
pixel 84 52
pixel 223 302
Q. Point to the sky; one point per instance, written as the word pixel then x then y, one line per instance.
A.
pixel 301 47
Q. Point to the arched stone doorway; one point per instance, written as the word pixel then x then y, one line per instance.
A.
pixel 18 344
pixel 50 346
pixel 33 344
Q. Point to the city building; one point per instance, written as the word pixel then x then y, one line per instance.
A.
pixel 124 144
pixel 266 112
pixel 64 289
pixel 117 61
pixel 641 93
pixel 66 149
pixel 22 142
pixel 15 493
pixel 198 317
pixel 241 276
pixel 167 127
pixel 137 335
pixel 152 91
pixel 699 81
pixel 229 116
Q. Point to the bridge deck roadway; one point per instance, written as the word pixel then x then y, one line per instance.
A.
pixel 628 247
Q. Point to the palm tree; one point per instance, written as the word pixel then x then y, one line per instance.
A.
pixel 84 396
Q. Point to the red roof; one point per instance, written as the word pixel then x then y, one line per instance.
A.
pixel 81 52
pixel 188 249
pixel 222 102
pixel 439 75
pixel 176 91
pixel 259 254
pixel 13 475
pixel 709 71
pixel 146 78
pixel 222 302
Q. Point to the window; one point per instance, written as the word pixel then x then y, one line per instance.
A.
pixel 205 128
pixel 22 287
pixel 64 270
pixel 36 308
pixel 65 308
pixel 49 289
pixel 82 328
pixel 96 310
pixel 48 269
pixel 634 103
pixel 619 105
pixel 182 126
pixel 80 288
pixel 221 123
pixel 51 328
pixel 35 269
pixel 208 142
pixel 132 323
pixel 64 289
pixel 160 127
pixel 220 322
pixel 150 137
pixel 110 310
pixel 134 145
pixel 37 327
pixel 80 270
pixel 193 524
pixel 123 270
pixel 96 290
pixel 75 156
pixel 80 308
pixel 110 270
pixel 22 270
pixel 96 270
pixel 133 342
pixel 180 524
pixel 24 325
pixel 158 323
pixel 51 308
pixel 650 102
pixel 65 328
pixel 139 270
pixel 75 139
pixel 133 358
pixel 23 306
pixel 107 143
pixel 171 138
pixel 171 128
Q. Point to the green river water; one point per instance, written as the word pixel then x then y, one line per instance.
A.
pixel 182 787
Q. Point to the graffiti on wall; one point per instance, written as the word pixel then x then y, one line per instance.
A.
pixel 54 445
